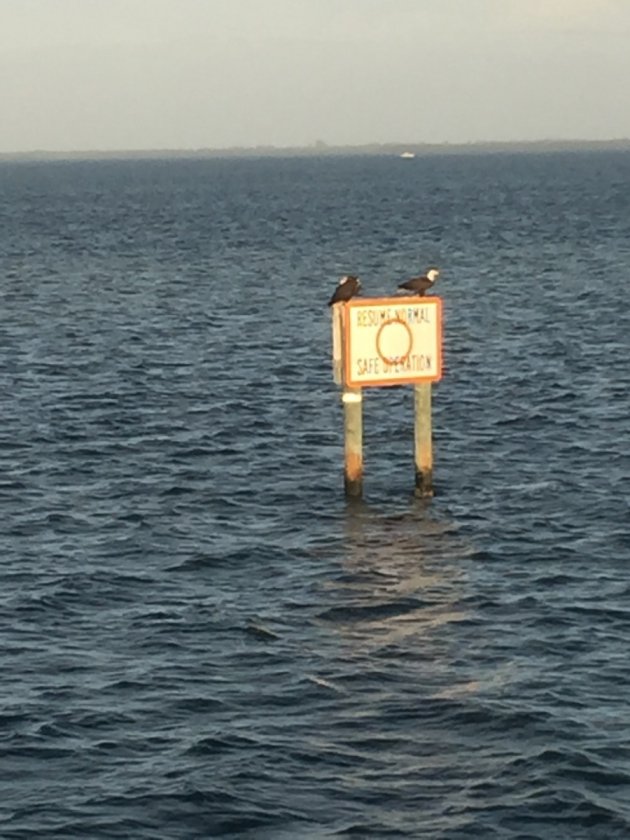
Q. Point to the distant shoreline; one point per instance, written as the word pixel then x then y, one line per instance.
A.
pixel 323 150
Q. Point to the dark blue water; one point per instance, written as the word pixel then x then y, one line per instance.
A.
pixel 199 637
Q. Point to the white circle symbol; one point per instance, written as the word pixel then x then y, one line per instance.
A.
pixel 394 341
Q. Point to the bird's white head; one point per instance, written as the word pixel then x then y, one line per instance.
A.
pixel 433 274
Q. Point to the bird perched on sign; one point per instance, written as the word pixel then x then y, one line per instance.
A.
pixel 420 285
pixel 348 287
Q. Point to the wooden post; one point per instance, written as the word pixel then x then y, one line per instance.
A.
pixel 422 437
pixel 337 342
pixel 353 437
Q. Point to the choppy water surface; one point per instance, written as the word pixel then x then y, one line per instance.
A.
pixel 200 638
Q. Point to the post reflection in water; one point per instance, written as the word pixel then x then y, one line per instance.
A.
pixel 400 595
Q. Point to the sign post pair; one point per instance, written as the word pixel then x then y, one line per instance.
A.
pixel 380 342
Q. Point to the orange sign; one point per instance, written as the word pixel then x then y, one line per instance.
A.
pixel 392 341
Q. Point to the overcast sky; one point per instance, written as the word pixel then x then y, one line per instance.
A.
pixel 151 74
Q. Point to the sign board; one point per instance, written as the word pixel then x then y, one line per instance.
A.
pixel 392 341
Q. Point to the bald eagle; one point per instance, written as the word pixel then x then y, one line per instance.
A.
pixel 347 288
pixel 420 285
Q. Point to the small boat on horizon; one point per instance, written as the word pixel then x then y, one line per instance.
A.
pixel 408 155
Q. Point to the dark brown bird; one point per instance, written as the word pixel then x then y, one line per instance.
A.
pixel 347 288
pixel 420 285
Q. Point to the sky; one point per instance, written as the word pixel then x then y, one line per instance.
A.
pixel 81 75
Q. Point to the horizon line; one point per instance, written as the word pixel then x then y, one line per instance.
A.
pixel 319 147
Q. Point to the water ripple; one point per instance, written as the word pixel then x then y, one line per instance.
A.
pixel 200 637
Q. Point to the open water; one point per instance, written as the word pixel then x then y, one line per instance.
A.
pixel 199 637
